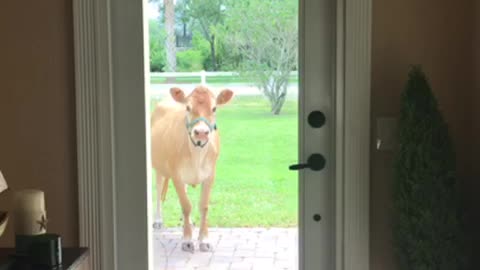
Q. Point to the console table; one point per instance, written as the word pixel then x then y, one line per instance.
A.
pixel 72 259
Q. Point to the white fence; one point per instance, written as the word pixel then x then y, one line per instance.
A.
pixel 202 74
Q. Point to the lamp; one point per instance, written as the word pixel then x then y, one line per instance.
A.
pixel 3 214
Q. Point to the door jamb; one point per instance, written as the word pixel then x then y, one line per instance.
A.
pixel 102 50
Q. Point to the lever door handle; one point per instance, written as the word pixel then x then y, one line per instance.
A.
pixel 316 162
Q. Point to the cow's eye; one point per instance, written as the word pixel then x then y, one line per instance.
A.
pixel 188 108
pixel 214 109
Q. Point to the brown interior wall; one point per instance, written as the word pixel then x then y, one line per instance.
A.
pixel 476 132
pixel 37 109
pixel 437 35
pixel 37 138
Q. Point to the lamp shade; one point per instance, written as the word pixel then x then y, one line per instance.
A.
pixel 3 214
pixel 3 183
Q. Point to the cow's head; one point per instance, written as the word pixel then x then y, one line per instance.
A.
pixel 200 108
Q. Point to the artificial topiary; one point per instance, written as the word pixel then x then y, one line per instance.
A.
pixel 427 220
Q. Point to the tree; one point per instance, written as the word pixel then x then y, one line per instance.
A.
pixel 170 44
pixel 264 33
pixel 167 9
pixel 208 14
pixel 427 216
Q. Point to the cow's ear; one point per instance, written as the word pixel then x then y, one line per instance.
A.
pixel 224 97
pixel 178 95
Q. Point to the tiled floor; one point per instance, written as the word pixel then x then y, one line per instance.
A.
pixel 233 249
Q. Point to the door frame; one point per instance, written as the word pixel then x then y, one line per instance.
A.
pixel 110 155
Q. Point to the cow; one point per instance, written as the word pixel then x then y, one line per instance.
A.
pixel 185 144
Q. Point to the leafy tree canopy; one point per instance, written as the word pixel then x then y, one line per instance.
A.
pixel 264 33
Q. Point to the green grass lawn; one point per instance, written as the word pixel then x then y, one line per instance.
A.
pixel 253 187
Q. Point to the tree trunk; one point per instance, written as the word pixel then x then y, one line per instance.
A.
pixel 212 51
pixel 279 98
pixel 170 44
pixel 276 91
pixel 278 104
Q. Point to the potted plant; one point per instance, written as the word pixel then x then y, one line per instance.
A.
pixel 427 214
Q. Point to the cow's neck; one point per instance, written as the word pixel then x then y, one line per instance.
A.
pixel 197 151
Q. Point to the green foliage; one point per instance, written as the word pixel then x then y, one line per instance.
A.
pixel 427 220
pixel 224 57
pixel 264 36
pixel 207 15
pixel 157 46
pixel 199 56
pixel 200 44
pixel 227 59
pixel 273 20
pixel 189 60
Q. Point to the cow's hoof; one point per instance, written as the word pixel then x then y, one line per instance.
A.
pixel 206 247
pixel 157 225
pixel 187 246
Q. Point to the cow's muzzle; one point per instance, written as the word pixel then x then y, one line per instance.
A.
pixel 199 134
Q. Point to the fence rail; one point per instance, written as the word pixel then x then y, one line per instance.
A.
pixel 202 74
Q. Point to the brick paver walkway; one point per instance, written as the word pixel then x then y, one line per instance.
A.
pixel 233 249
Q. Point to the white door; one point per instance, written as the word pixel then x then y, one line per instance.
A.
pixel 316 144
pixel 317 138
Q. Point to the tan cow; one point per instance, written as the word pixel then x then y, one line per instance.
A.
pixel 185 148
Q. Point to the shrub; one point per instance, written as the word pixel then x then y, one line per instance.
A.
pixel 427 221
pixel 189 60
pixel 157 46
pixel 157 60
pixel 226 60
pixel 200 44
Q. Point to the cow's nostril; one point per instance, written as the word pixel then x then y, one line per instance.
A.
pixel 196 132
pixel 207 132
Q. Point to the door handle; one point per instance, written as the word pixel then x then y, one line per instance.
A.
pixel 316 162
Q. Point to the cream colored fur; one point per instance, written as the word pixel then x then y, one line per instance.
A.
pixel 175 157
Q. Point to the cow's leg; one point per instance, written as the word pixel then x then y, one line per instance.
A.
pixel 187 244
pixel 158 218
pixel 205 245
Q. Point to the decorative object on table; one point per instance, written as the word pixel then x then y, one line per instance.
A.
pixel 30 215
pixel 3 214
pixel 42 249
pixel 428 225
pixel 32 243
pixel 72 258
pixel 33 246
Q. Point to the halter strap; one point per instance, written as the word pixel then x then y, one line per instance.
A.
pixel 199 119
pixel 190 125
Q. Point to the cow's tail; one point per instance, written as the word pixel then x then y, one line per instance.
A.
pixel 164 189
